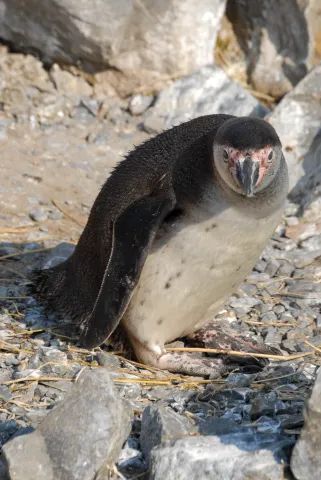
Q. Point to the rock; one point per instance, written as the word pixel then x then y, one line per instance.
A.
pixel 138 104
pixel 82 434
pixel 27 458
pixel 7 430
pixel 277 39
pixel 262 405
pixel 66 83
pixel 301 142
pixel 301 258
pixel 55 215
pixel 161 423
pixel 244 304
pixel 215 457
pixel 38 216
pixel 204 92
pixel 160 36
pixel 306 460
pixel 272 267
pixel 59 254
pixel 107 360
pixel 154 124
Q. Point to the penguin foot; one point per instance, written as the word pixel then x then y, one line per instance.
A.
pixel 219 335
pixel 190 364
pixel 180 362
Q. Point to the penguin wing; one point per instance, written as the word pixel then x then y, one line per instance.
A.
pixel 133 234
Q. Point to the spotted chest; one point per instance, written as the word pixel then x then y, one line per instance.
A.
pixel 194 264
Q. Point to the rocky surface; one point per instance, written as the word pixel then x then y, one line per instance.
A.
pixel 278 40
pixel 205 91
pixel 140 39
pixel 60 138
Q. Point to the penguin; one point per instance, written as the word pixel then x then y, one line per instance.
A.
pixel 174 231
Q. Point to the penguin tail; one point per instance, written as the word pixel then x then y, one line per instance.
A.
pixel 46 286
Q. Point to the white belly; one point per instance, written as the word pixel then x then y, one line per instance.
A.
pixel 191 270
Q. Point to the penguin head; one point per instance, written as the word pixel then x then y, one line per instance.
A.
pixel 247 154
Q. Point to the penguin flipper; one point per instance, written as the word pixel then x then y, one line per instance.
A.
pixel 133 234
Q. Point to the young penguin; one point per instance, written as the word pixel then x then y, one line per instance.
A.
pixel 175 229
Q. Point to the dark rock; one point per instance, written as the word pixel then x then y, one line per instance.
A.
pixel 262 405
pixel 7 430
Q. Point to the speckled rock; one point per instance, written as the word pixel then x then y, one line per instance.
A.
pixel 206 91
pixel 81 435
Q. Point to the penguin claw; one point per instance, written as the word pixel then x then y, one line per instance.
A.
pixel 218 335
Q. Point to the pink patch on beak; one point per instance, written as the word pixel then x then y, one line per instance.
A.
pixel 261 156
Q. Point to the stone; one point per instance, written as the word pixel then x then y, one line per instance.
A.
pixel 7 430
pixel 154 124
pixel 262 405
pixel 244 304
pixel 306 460
pixel 55 215
pixel 26 457
pixel 301 143
pixel 160 36
pixel 272 267
pixel 205 92
pixel 138 104
pixel 38 216
pixel 59 254
pixel 107 360
pixel 161 423
pixel 277 39
pixel 66 83
pixel 216 457
pixel 81 435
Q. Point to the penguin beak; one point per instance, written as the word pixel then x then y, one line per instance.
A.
pixel 247 173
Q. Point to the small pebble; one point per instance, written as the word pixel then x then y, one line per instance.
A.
pixel 38 216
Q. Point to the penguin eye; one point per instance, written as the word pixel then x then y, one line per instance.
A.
pixel 270 156
pixel 225 155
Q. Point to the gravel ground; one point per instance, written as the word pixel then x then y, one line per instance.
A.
pixel 59 141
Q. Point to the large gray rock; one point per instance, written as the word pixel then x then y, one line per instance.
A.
pixel 195 458
pixel 82 435
pixel 164 36
pixel 297 120
pixel 159 424
pixel 206 91
pixel 306 459
pixel 278 40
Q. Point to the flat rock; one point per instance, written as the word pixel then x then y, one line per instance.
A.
pixel 81 435
pixel 306 460
pixel 213 457
pixel 205 92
